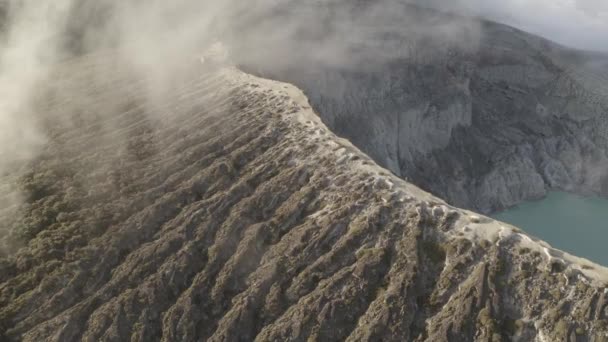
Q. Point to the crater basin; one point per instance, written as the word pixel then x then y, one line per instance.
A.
pixel 573 223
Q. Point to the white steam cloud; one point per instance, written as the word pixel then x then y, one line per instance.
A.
pixel 26 54
pixel 27 50
pixel 156 38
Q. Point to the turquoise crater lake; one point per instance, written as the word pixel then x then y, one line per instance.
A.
pixel 575 224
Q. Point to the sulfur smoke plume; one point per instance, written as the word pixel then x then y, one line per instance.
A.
pixel 156 39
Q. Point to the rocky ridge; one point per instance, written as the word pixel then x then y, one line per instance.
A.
pixel 228 211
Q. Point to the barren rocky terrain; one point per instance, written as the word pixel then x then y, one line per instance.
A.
pixel 229 212
pixel 221 206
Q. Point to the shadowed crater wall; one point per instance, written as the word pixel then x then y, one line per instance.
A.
pixel 478 113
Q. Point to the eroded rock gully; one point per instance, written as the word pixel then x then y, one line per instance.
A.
pixel 229 212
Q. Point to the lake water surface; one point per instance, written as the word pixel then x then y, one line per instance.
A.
pixel 572 223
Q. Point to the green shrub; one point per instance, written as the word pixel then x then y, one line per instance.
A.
pixel 513 327
pixel 484 317
pixel 434 251
pixel 561 329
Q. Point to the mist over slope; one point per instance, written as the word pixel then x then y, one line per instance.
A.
pixel 498 115
pixel 170 196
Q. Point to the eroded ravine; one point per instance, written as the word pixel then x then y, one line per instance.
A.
pixel 232 213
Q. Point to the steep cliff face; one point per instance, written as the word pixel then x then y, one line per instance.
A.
pixel 478 113
pixel 229 212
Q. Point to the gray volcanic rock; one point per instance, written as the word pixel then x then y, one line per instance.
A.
pixel 229 212
pixel 478 113
pixel 218 206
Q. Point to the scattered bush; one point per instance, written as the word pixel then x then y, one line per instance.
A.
pixel 513 327
pixel 561 329
pixel 434 251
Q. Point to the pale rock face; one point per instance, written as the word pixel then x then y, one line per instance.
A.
pixel 483 128
pixel 516 179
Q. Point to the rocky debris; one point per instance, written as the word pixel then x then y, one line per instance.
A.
pixel 229 212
